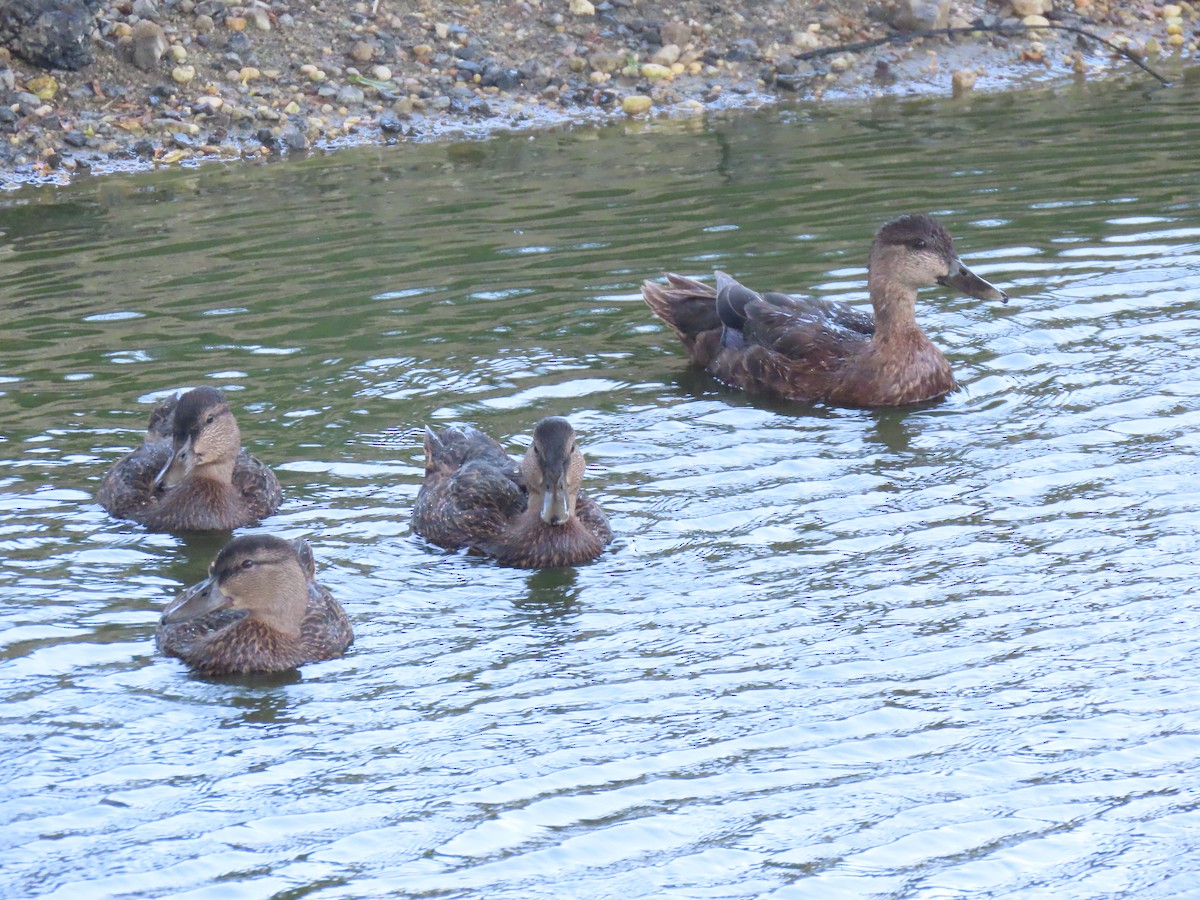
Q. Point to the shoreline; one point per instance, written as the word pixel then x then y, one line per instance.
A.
pixel 224 82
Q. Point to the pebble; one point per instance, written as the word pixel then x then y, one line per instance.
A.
pixel 183 74
pixel 1035 21
pixel 1023 8
pixel 656 71
pixel 44 87
pixel 148 43
pixel 962 82
pixel 636 104
pixel 259 17
pixel 582 8
pixel 667 55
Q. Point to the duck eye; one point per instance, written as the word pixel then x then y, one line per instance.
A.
pixel 918 244
pixel 247 564
pixel 209 420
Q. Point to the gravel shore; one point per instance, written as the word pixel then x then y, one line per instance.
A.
pixel 180 80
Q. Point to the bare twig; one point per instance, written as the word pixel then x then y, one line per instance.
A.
pixel 971 29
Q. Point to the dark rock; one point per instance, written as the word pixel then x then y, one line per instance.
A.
pixel 388 125
pixel 144 148
pixel 54 34
pixel 502 77
pixel 294 140
pixel 239 42
pixel 468 69
pixel 265 137
pixel 7 116
pixel 743 49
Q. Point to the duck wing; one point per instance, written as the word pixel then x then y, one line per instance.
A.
pixel 817 334
pixel 257 485
pixel 128 489
pixel 472 489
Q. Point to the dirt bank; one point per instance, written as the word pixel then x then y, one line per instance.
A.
pixel 180 80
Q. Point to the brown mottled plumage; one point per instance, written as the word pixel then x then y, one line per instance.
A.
pixel 260 610
pixel 531 516
pixel 191 474
pixel 819 350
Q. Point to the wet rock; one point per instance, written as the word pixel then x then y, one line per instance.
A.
pixel 145 9
pixel 502 77
pixel 259 18
pixel 919 15
pixel 677 33
pixel 668 54
pixel 636 104
pixel 962 82
pixel 54 34
pixel 294 140
pixel 146 45
pixel 389 125
pixel 1023 8
pixel 350 96
pixel 746 48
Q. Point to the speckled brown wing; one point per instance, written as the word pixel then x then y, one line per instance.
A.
pixel 257 485
pixel 326 631
pixel 792 347
pixel 127 489
pixel 472 489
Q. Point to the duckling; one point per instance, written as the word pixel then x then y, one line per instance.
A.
pixel 190 474
pixel 260 610
pixel 819 350
pixel 529 516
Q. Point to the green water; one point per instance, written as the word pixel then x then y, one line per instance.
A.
pixel 913 653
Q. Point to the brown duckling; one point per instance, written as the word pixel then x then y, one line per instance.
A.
pixel 820 350
pixel 529 516
pixel 260 610
pixel 191 473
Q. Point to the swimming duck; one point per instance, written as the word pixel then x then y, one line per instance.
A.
pixel 260 610
pixel 530 516
pixel 819 350
pixel 190 474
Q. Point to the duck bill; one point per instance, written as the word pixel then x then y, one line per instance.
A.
pixel 963 279
pixel 556 506
pixel 175 468
pixel 197 600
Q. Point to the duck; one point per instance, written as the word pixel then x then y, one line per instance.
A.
pixel 260 610
pixel 823 351
pixel 531 516
pixel 191 473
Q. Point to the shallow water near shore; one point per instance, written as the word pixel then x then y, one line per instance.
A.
pixel 938 651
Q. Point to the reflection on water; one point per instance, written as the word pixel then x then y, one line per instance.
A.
pixel 942 650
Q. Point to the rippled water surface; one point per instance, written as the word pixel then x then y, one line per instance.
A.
pixel 939 652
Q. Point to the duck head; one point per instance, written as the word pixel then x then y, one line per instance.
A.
pixel 553 470
pixel 262 574
pixel 205 440
pixel 913 252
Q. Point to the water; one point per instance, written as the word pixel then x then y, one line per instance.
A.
pixel 936 652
